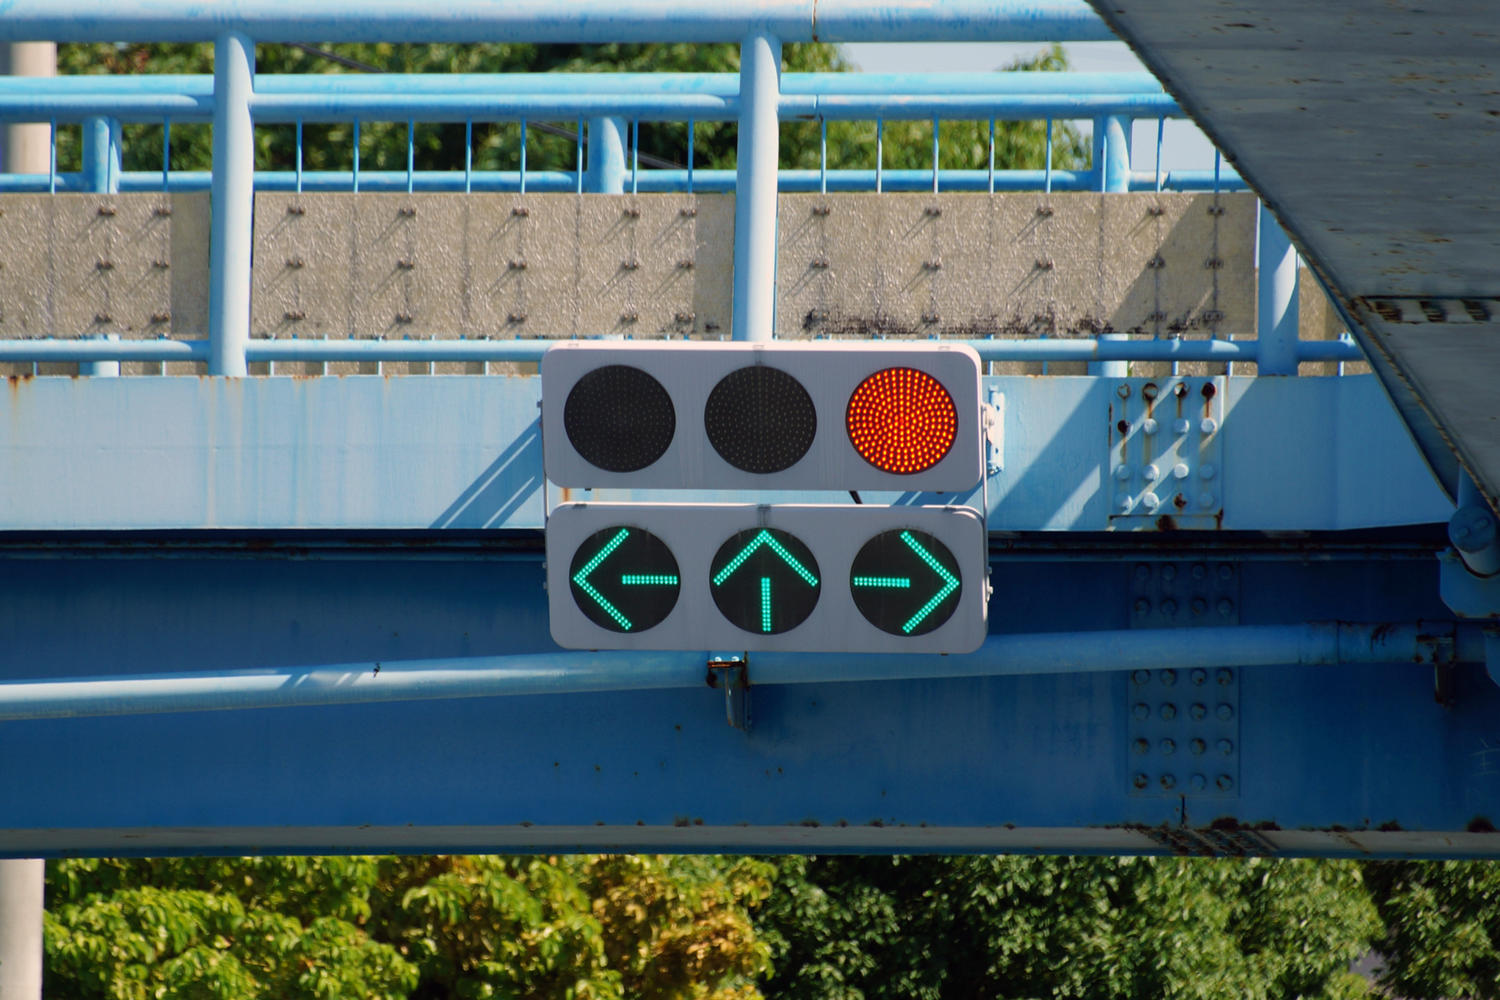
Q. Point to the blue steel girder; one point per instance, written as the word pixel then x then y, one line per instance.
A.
pixel 175 526
pixel 1331 759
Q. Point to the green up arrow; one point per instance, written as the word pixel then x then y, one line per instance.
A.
pixel 764 538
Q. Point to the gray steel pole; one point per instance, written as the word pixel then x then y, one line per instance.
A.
pixel 21 928
pixel 24 149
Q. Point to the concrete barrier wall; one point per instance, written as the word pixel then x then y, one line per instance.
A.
pixel 400 266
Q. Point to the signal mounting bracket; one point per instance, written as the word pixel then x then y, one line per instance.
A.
pixel 731 673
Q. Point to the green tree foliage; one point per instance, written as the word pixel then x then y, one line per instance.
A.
pixel 383 145
pixel 1442 927
pixel 874 928
pixel 573 928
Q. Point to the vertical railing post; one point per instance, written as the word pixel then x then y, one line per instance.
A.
pixel 1276 326
pixel 1112 160
pixel 1114 145
pixel 101 155
pixel 606 156
pixel 1110 369
pixel 233 205
pixel 98 369
pixel 758 158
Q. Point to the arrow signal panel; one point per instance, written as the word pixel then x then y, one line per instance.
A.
pixel 794 577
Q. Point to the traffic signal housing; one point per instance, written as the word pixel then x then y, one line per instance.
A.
pixel 793 577
pixel 804 416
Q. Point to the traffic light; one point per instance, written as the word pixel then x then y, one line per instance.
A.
pixel 805 416
pixel 803 577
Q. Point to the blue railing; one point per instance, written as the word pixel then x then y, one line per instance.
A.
pixel 581 99
pixel 606 111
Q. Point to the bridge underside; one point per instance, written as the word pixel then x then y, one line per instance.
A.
pixel 230 525
pixel 1367 130
pixel 1384 759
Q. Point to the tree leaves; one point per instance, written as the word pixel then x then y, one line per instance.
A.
pixel 875 928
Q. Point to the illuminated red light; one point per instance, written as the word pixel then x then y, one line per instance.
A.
pixel 901 420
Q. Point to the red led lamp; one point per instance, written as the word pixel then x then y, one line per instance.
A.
pixel 901 420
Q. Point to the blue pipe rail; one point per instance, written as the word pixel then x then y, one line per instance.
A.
pixel 648 181
pixel 310 350
pixel 200 85
pixel 578 21
pixel 1310 644
pixel 312 106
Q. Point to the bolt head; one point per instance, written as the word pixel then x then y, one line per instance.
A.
pixel 1151 501
pixel 1206 499
pixel 1168 782
pixel 1139 780
pixel 1200 677
pixel 1149 426
pixel 1225 607
pixel 1224 676
pixel 1142 606
pixel 1224 782
pixel 1141 676
pixel 1224 747
pixel 1168 678
pixel 1123 473
pixel 1168 711
pixel 1200 606
pixel 1207 471
pixel 1168 573
pixel 1180 470
pixel 1141 711
pixel 1224 711
pixel 1124 502
pixel 1198 711
pixel 1198 748
pixel 1141 747
pixel 1197 782
pixel 1167 746
pixel 1169 607
pixel 1182 426
pixel 1151 473
pixel 1209 425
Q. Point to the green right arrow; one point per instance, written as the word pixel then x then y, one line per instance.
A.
pixel 950 582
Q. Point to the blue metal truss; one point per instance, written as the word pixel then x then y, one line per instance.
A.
pixel 230 525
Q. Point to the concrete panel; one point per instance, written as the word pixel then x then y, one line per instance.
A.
pixel 380 265
pixel 1016 265
pixel 480 265
pixel 84 265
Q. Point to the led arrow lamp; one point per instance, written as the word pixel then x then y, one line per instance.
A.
pixel 793 577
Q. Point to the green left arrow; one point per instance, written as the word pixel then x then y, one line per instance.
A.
pixel 581 578
pixel 624 579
